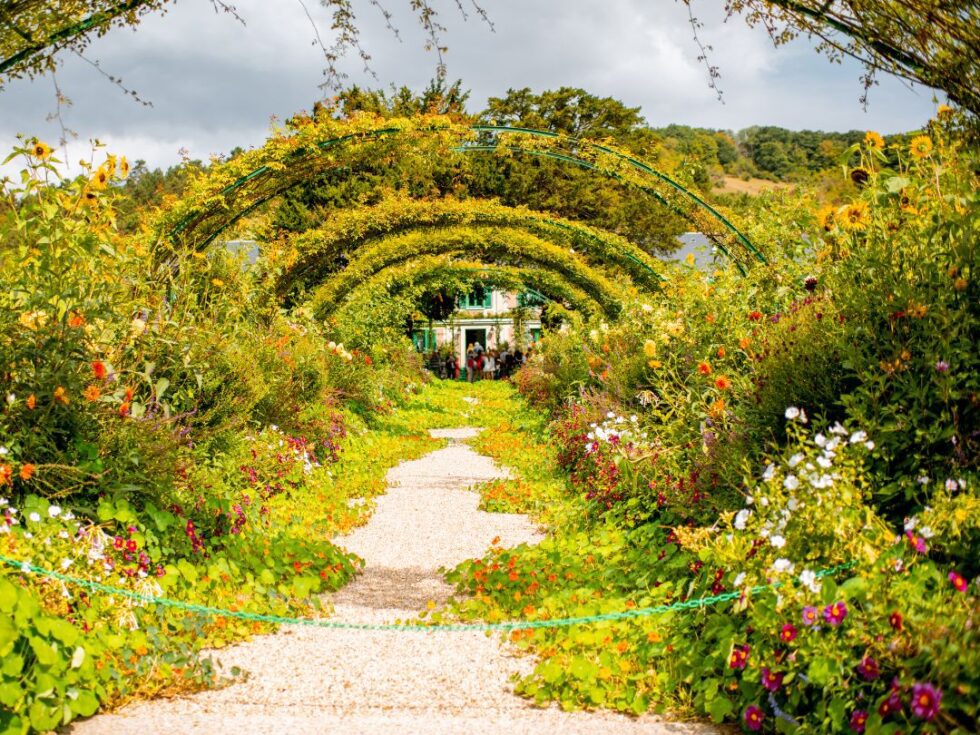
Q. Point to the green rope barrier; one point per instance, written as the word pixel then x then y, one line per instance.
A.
pixel 693 604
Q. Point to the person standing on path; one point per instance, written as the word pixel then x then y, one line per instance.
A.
pixel 490 366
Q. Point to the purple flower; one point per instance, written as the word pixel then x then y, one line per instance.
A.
pixel 753 718
pixel 810 615
pixel 891 705
pixel 772 680
pixel 868 668
pixel 942 366
pixel 858 720
pixel 835 613
pixel 925 701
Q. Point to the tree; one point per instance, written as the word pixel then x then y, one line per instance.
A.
pixel 933 42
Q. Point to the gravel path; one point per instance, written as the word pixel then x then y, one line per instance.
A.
pixel 305 680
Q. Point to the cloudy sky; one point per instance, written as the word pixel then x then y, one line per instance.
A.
pixel 215 84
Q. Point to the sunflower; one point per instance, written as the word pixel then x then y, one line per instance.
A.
pixel 855 216
pixel 944 111
pixel 123 167
pixel 827 217
pixel 100 179
pixel 89 197
pixel 920 147
pixel 41 150
pixel 906 204
pixel 860 176
pixel 873 139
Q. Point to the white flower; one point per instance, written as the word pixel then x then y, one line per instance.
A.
pixel 911 523
pixel 739 578
pixel 35 517
pixel 831 446
pixel 791 482
pixel 763 501
pixel 54 511
pixel 926 532
pixel 65 563
pixel 820 440
pixel 4 451
pixel 809 580
pixel 858 436
pixel 765 533
pixel 782 565
pixel 923 480
pixel 838 429
pixel 4 528
pixel 647 308
pixel 25 568
pixel 777 541
pixel 62 534
pixel 951 485
pixel 610 415
pixel 792 413
pixel 792 504
pixel 740 518
pixel 769 472
pixel 749 500
pixel 824 462
pixel 899 565
pixel 3 502
pixel 795 459
pixel 11 398
pixel 869 445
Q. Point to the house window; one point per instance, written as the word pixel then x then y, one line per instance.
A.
pixel 424 340
pixel 479 299
pixel 530 299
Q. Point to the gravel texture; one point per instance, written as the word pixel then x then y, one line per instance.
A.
pixel 307 680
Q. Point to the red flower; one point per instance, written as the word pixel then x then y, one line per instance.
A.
pixel 722 383
pixel 131 545
pixel 895 620
pixel 771 680
pixel 124 409
pixel 755 316
pixel 958 582
pixel 704 368
pixel 100 370
pixel 739 658
pixel 788 633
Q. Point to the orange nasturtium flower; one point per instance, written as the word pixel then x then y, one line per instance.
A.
pixel 92 393
pixel 31 401
pixel 6 472
pixel 27 472
pixel 61 395
pixel 76 319
pixel 717 409
pixel 704 368
pixel 744 343
pixel 722 383
pixel 721 351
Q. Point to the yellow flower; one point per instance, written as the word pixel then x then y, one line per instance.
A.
pixel 920 147
pixel 217 282
pixel 654 364
pixel 123 167
pixel 855 216
pixel 89 197
pixel 41 150
pixel 650 348
pixel 92 393
pixel 960 284
pixel 944 111
pixel 917 311
pixel 100 179
pixel 874 140
pixel 827 217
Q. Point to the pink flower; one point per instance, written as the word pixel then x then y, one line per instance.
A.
pixel 835 613
pixel 772 680
pixel 958 582
pixel 925 701
pixel 858 720
pixel 810 616
pixel 753 718
pixel 891 705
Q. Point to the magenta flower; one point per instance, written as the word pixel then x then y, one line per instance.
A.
pixel 917 542
pixel 858 720
pixel 753 718
pixel 788 633
pixel 772 680
pixel 958 582
pixel 868 668
pixel 942 366
pixel 835 613
pixel 810 616
pixel 891 705
pixel 925 701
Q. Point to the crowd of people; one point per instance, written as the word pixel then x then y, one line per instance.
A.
pixel 480 363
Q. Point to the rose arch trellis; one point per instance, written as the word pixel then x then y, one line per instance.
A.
pixel 291 157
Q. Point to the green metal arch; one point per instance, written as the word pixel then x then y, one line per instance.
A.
pixel 177 230
pixel 491 244
pixel 358 227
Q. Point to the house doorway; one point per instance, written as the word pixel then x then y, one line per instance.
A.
pixel 475 335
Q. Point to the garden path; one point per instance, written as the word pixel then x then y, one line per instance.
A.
pixel 314 680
